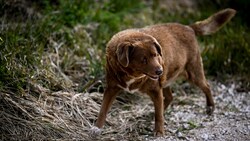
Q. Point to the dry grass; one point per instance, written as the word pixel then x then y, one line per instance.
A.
pixel 68 115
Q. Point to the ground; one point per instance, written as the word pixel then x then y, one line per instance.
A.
pixel 186 118
pixel 67 115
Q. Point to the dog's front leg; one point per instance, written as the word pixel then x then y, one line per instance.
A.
pixel 108 98
pixel 157 98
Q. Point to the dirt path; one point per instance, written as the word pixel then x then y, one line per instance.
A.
pixel 186 118
pixel 230 121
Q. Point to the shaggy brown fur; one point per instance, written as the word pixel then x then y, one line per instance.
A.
pixel 149 59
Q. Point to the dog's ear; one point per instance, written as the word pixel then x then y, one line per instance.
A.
pixel 158 47
pixel 123 52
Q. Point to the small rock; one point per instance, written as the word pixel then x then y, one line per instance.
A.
pixel 205 136
pixel 179 134
pixel 186 126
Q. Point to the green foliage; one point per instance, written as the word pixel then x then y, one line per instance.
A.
pixel 21 49
pixel 227 51
pixel 48 49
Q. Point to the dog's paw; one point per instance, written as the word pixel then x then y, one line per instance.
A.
pixel 95 131
pixel 158 134
pixel 210 110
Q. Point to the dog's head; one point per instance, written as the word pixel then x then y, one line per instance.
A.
pixel 142 55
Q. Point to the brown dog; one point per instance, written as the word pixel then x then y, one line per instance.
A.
pixel 149 59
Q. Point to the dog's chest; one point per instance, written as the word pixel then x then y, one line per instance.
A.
pixel 133 85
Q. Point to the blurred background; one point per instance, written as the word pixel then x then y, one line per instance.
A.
pixel 60 44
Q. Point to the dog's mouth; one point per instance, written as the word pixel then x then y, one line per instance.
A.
pixel 155 77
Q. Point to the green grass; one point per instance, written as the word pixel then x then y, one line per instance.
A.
pixel 227 51
pixel 66 40
pixel 62 43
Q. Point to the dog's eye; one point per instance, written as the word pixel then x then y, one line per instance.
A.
pixel 144 61
pixel 155 55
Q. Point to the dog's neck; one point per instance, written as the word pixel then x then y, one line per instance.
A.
pixel 122 74
pixel 128 74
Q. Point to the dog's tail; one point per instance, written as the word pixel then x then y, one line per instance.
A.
pixel 213 23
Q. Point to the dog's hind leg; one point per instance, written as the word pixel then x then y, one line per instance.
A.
pixel 196 76
pixel 168 97
pixel 204 86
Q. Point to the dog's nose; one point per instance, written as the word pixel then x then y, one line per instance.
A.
pixel 159 71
